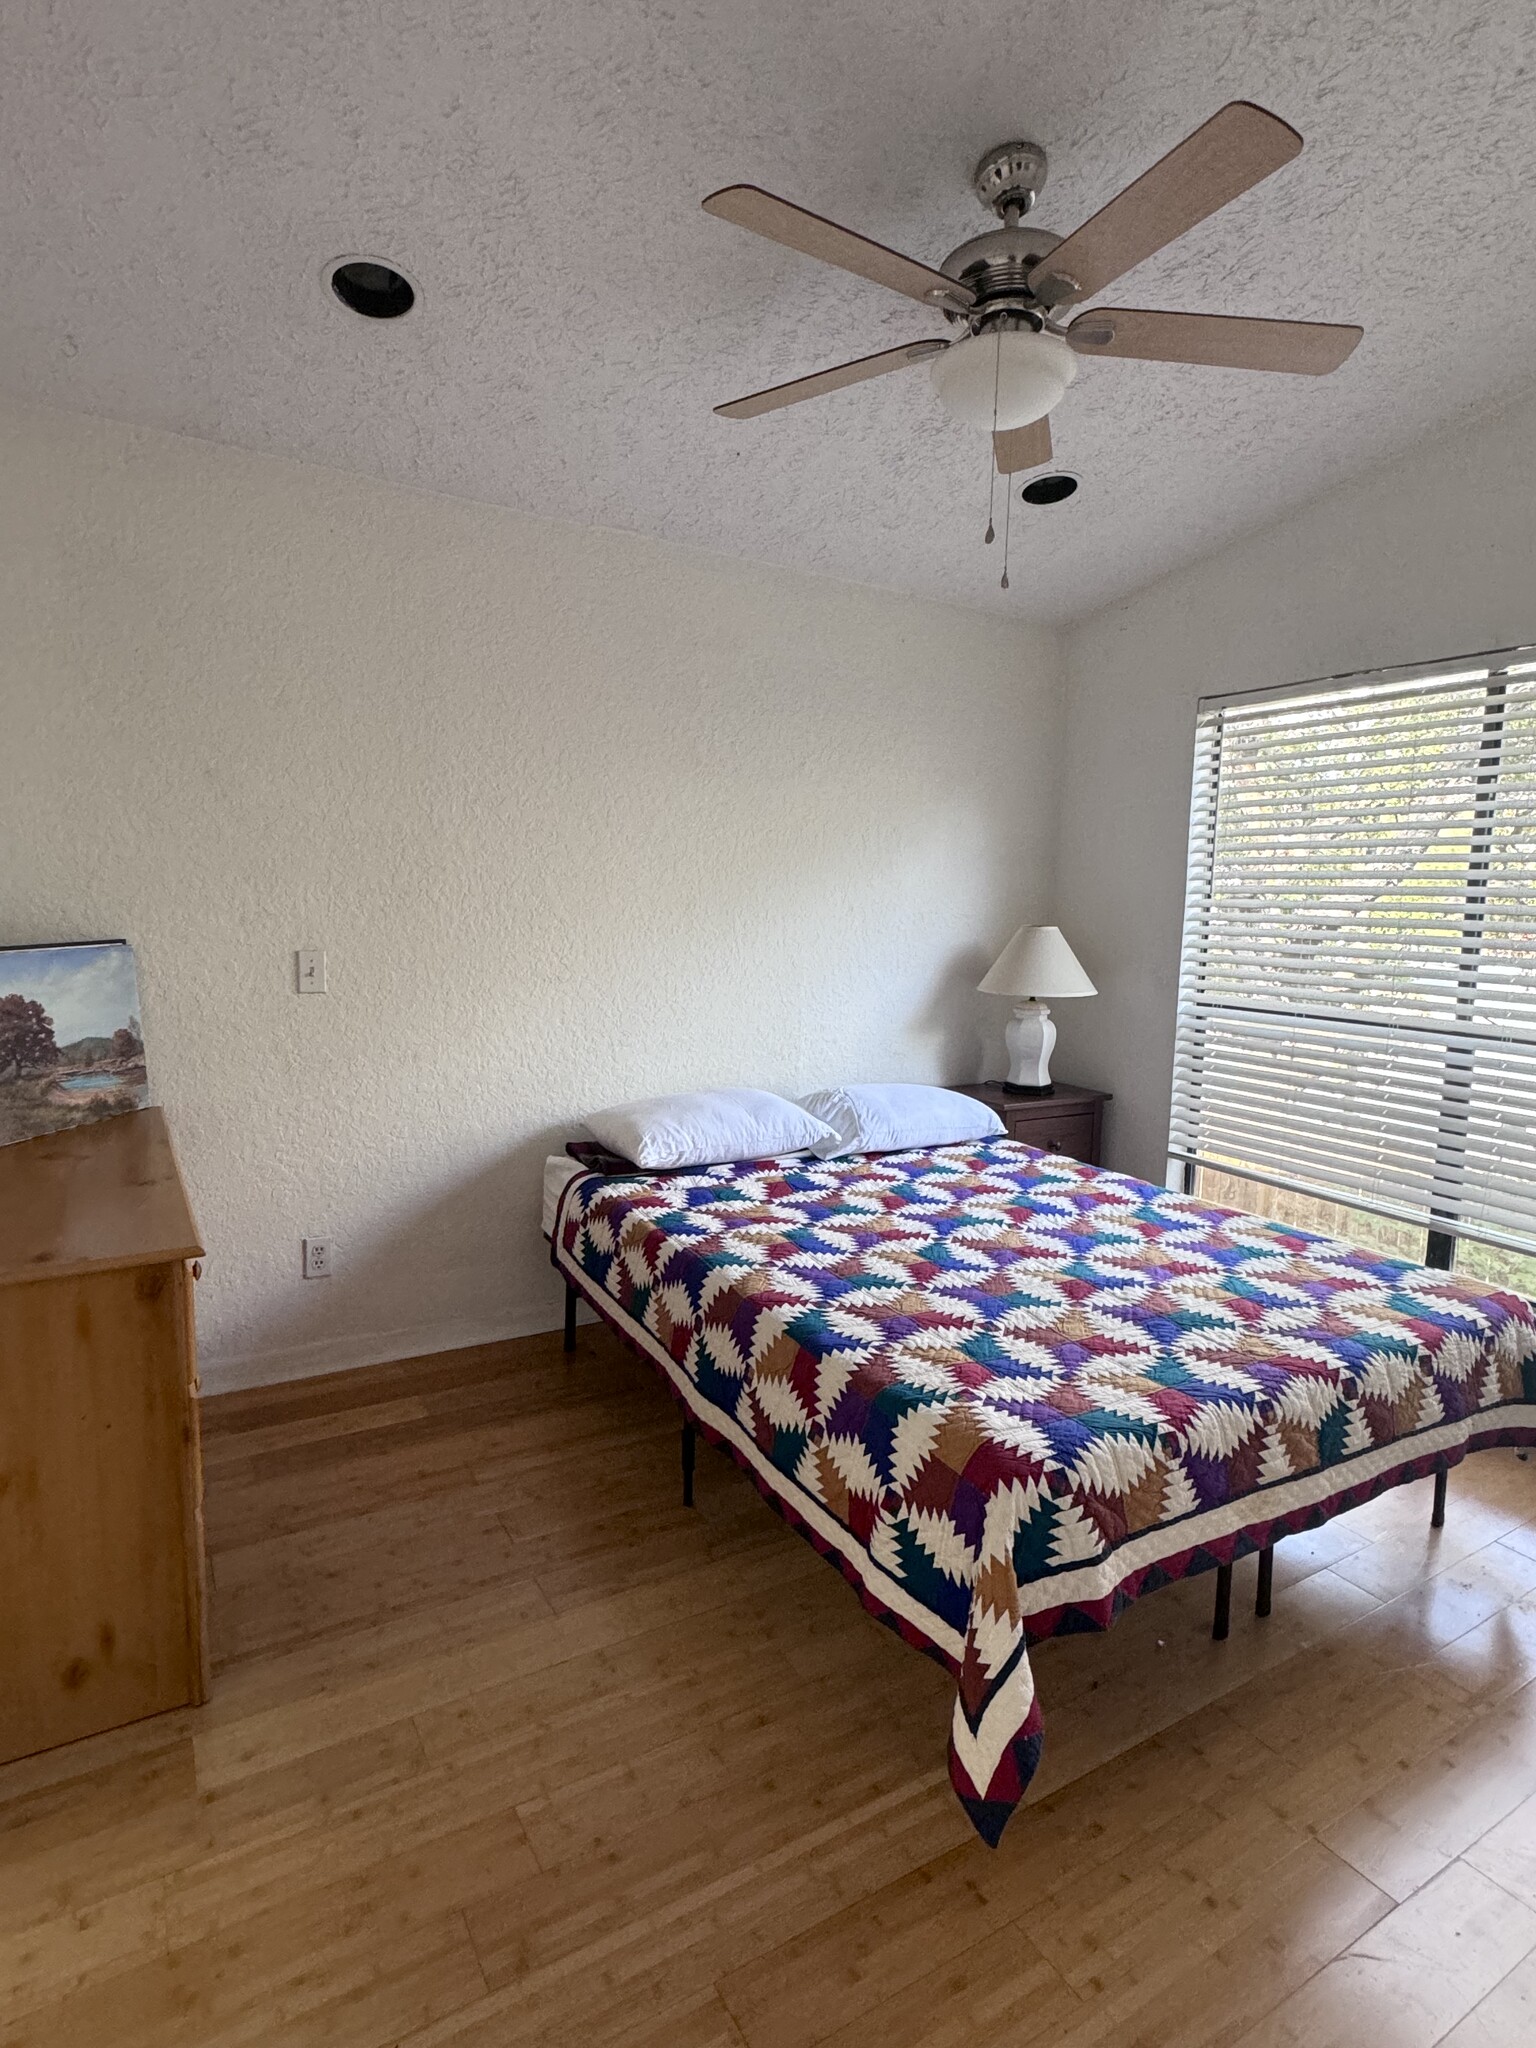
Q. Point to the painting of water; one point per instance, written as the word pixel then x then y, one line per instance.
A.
pixel 71 1045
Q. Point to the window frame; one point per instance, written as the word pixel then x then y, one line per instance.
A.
pixel 1493 667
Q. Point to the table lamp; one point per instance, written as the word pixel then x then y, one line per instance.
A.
pixel 1037 961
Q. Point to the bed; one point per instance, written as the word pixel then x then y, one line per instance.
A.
pixel 1006 1394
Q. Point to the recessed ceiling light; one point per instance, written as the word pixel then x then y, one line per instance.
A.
pixel 376 290
pixel 1049 490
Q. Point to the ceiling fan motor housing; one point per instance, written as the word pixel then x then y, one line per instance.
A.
pixel 997 267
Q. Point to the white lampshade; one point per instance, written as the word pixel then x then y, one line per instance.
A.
pixel 1037 961
pixel 1027 373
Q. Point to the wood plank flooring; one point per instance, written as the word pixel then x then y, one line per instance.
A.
pixel 507 1747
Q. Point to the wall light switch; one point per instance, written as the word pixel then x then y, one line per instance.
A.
pixel 311 971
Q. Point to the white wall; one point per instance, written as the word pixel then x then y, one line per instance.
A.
pixel 576 817
pixel 1432 556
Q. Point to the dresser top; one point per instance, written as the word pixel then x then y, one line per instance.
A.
pixel 84 1201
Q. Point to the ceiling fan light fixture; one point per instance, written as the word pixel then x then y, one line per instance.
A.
pixel 1025 372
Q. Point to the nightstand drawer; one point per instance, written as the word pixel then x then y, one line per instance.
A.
pixel 1070 1121
pixel 1070 1132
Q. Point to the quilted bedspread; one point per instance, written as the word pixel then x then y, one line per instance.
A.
pixel 1008 1393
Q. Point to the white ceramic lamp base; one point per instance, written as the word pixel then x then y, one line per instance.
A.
pixel 1031 1039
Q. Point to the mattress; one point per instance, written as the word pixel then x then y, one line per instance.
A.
pixel 1007 1393
pixel 560 1169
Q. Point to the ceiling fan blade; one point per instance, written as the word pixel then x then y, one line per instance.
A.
pixel 746 206
pixel 1306 348
pixel 830 380
pixel 1232 152
pixel 1022 447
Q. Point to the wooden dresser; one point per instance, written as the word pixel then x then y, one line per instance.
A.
pixel 101 1545
pixel 1069 1120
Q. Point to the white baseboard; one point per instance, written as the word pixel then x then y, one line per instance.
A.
pixel 374 1347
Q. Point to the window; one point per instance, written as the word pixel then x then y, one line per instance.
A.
pixel 1357 988
pixel 1310 1212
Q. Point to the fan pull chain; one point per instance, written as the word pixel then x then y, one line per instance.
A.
pixel 997 371
pixel 1007 523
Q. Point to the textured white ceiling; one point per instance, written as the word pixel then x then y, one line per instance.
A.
pixel 177 175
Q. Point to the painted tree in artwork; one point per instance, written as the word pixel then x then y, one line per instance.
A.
pixel 126 1042
pixel 26 1036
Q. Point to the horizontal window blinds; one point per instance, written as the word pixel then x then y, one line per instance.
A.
pixel 1357 990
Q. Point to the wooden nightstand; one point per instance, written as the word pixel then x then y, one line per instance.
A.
pixel 1071 1120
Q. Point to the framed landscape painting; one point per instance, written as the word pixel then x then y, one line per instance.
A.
pixel 71 1049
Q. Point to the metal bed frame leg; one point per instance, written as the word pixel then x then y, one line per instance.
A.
pixel 1265 1593
pixel 1437 1513
pixel 1222 1621
pixel 571 1298
pixel 688 1450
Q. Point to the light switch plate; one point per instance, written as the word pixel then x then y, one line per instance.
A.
pixel 310 970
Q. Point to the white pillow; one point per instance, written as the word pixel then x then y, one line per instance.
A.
pixel 899 1116
pixel 709 1128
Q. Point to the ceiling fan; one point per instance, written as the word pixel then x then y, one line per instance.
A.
pixel 1011 288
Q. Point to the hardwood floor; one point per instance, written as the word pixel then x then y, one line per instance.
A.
pixel 505 1746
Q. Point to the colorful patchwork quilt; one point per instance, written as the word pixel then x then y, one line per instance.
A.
pixel 1007 1393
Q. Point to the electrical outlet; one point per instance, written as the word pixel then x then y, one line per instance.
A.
pixel 309 971
pixel 319 1258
